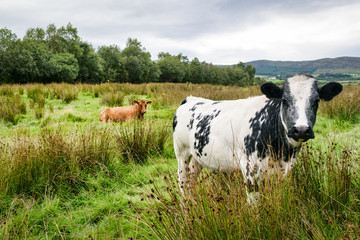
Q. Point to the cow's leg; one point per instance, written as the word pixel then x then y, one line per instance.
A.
pixel 252 191
pixel 183 158
pixel 195 169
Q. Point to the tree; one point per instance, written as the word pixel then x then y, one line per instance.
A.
pixel 171 69
pixel 134 69
pixel 7 39
pixel 37 34
pixel 196 71
pixel 63 39
pixel 137 63
pixel 64 67
pixel 111 63
pixel 90 68
pixel 18 64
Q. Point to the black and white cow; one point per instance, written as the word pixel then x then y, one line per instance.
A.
pixel 247 133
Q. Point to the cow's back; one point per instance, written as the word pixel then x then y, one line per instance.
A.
pixel 213 131
pixel 121 114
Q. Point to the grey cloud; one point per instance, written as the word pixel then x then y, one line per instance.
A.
pixel 186 21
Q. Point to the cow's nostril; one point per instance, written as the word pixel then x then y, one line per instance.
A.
pixel 304 133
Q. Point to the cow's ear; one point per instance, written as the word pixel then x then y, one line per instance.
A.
pixel 271 90
pixel 135 101
pixel 330 90
pixel 149 102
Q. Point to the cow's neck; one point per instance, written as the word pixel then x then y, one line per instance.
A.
pixel 268 136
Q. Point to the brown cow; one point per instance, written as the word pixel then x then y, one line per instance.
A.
pixel 122 114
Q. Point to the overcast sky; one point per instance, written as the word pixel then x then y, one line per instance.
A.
pixel 217 31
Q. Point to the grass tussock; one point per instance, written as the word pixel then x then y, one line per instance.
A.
pixel 319 200
pixel 112 99
pixel 137 140
pixel 65 92
pixel 11 107
pixel 53 160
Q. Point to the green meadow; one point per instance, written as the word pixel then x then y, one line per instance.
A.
pixel 66 175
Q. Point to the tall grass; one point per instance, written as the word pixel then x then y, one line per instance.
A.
pixel 65 92
pixel 11 107
pixel 112 99
pixel 319 200
pixel 137 140
pixel 76 160
pixel 53 160
pixel 345 107
pixel 37 96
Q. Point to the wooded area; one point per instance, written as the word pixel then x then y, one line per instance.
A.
pixel 60 55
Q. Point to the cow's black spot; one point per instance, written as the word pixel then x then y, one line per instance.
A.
pixel 265 133
pixel 174 122
pixel 191 123
pixel 268 136
pixel 195 106
pixel 217 102
pixel 184 101
pixel 203 131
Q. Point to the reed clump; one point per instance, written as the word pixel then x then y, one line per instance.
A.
pixel 11 106
pixel 66 92
pixel 137 140
pixel 112 99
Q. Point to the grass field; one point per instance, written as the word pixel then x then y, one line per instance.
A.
pixel 65 175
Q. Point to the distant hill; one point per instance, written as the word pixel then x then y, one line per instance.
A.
pixel 348 65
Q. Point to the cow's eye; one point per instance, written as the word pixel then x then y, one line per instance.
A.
pixel 315 103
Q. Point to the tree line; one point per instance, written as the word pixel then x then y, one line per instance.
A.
pixel 60 55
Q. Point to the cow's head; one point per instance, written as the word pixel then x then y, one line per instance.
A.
pixel 300 96
pixel 142 105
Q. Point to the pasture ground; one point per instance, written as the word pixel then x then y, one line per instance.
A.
pixel 65 175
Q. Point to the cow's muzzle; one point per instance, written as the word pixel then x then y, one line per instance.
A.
pixel 301 134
